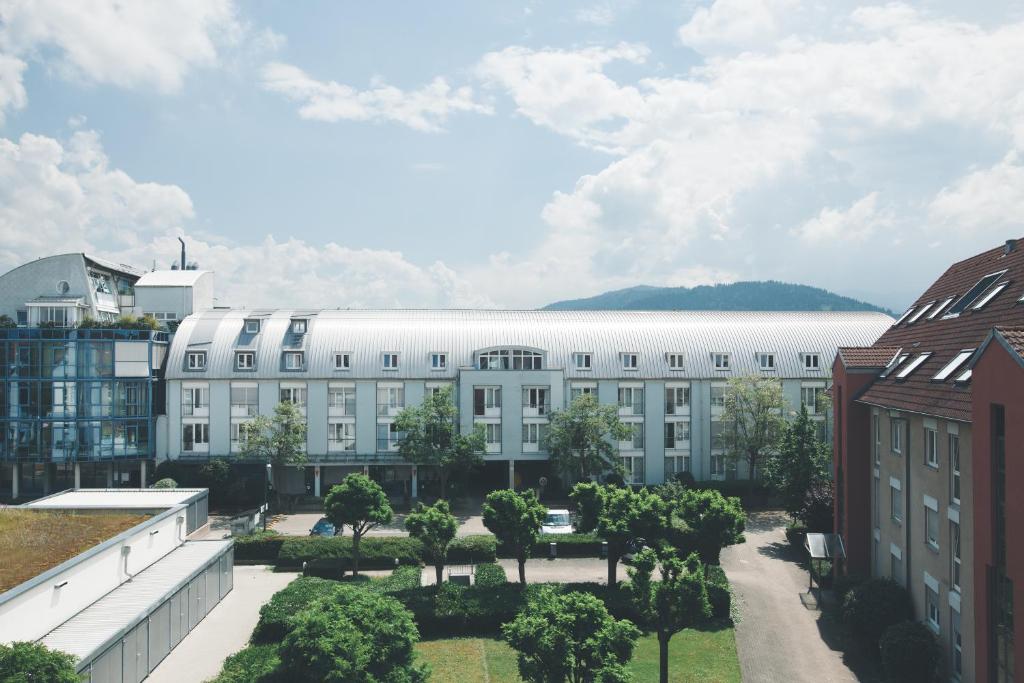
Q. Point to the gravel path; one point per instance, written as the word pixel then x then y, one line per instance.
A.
pixel 781 635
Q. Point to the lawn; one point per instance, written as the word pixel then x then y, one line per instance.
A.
pixel 693 656
pixel 32 541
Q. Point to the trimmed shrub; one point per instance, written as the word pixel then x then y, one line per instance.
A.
pixel 569 545
pixel 875 605
pixel 403 578
pixel 490 575
pixel 252 664
pixel 27 662
pixel 475 549
pixel 275 616
pixel 261 547
pixel 844 583
pixel 795 533
pixel 910 653
pixel 334 554
pixel 166 483
pixel 719 594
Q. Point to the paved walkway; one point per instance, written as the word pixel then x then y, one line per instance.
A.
pixel 566 570
pixel 299 524
pixel 781 635
pixel 224 631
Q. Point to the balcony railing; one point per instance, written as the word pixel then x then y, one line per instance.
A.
pixel 676 444
pixel 389 409
pixel 536 410
pixel 672 408
pixel 341 445
pixel 388 445
pixel 635 408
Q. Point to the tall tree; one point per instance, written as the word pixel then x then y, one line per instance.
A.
pixel 582 440
pixel 361 503
pixel 621 516
pixel 752 420
pixel 515 519
pixel 714 520
pixel 278 441
pixel 434 526
pixel 800 462
pixel 570 638
pixel 678 601
pixel 432 437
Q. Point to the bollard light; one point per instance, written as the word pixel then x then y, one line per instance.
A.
pixel 604 550
pixel 552 550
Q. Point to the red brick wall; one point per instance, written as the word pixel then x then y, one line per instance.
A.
pixel 997 379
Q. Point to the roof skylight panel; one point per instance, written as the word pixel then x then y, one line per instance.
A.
pixel 904 316
pixel 953 365
pixel 913 365
pixel 991 294
pixel 941 307
pixel 921 311
pixel 977 290
pixel 965 377
pixel 895 363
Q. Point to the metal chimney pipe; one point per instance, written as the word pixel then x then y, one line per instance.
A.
pixel 182 253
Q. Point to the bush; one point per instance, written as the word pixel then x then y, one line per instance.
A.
pixel 844 583
pixel 686 479
pixel 27 662
pixel 719 594
pixel 274 623
pixel 403 578
pixel 261 547
pixel 166 483
pixel 795 533
pixel 875 605
pixel 252 664
pixel 910 653
pixel 332 556
pixel 490 575
pixel 475 549
pixel 569 545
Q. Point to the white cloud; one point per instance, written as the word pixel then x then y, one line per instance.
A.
pixel 857 223
pixel 603 13
pixel 989 200
pixel 736 24
pixel 12 90
pixel 426 108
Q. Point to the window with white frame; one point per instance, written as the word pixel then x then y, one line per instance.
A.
pixel 810 398
pixel 577 390
pixel 677 400
pixel 341 400
pixel 245 401
pixel 389 361
pixel 537 400
pixel 53 315
pixel 582 360
pixel 717 463
pixel 342 361
pixel 954 468
pixel 676 361
pixel 252 326
pixel 438 361
pixel 954 554
pixel 956 660
pixel 506 359
pixel 876 430
pixel 293 360
pixel 295 395
pixel 896 428
pixel 195 360
pixel 492 435
pixel 534 434
pixel 388 437
pixel 718 392
pixel 390 399
pixel 931 602
pixel 676 464
pixel 435 389
pixel 677 434
pixel 931 447
pixel 195 401
pixel 341 436
pixel 812 361
pixel 299 326
pixel 239 435
pixel 766 361
pixel 195 436
pixel 931 524
pixel 895 501
pixel 631 400
pixel 717 429
pixel 629 361
pixel 486 401
pixel 635 440
pixel 720 360
pixel 633 469
pixel 245 360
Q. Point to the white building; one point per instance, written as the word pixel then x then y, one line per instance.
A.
pixel 172 295
pixel 351 372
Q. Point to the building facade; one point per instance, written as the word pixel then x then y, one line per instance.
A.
pixel 924 457
pixel 351 372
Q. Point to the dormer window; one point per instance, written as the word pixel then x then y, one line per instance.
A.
pixel 342 361
pixel 766 361
pixel 974 292
pixel 721 361
pixel 389 361
pixel 252 326
pixel 195 360
pixel 812 361
pixel 438 361
pixel 676 361
pixel 245 360
pixel 582 360
pixel 510 359
pixel 299 326
pixel 293 360
pixel 629 361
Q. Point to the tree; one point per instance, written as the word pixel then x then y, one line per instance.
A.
pixel 714 520
pixel 434 526
pixel 621 516
pixel 752 420
pixel 432 438
pixel 25 662
pixel 515 519
pixel 278 441
pixel 582 439
pixel 7 322
pixel 361 503
pixel 570 638
pixel 801 461
pixel 678 601
pixel 165 483
pixel 352 636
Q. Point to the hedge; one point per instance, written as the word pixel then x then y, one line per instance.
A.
pixel 335 553
pixel 568 545
pixel 273 626
pixel 718 591
pixel 490 575
pixel 251 664
pixel 261 547
pixel 475 549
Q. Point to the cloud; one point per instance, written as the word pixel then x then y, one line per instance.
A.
pixel 855 224
pixel 736 24
pixel 12 90
pixel 984 200
pixel 426 108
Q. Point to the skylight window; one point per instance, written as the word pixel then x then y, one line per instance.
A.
pixel 895 363
pixel 904 316
pixel 975 291
pixel 912 365
pixel 953 365
pixel 921 311
pixel 941 307
pixel 965 377
pixel 991 294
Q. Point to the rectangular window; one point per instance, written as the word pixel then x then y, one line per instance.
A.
pixel 631 400
pixel 912 365
pixel 485 399
pixel 388 437
pixel 931 528
pixel 954 551
pixel 896 567
pixel 895 504
pixel 636 439
pixel 195 437
pixel 299 326
pixel 239 435
pixel 581 390
pixel 676 361
pixel 717 465
pixel 294 395
pixel 196 360
pixel 973 293
pixel 536 399
pixel 252 326
pixel 342 400
pixel 293 360
pixel 389 361
pixel 876 429
pixel 766 361
pixel 677 400
pixel 954 468
pixel 718 392
pixel 931 447
pixel 341 436
pixel 195 401
pixel 809 397
pixel 244 401
pixel 953 365
pixel 956 643
pixel 896 436
pixel 677 435
pixel 812 361
pixel 438 361
pixel 931 601
pixel 534 434
pixel 582 361
pixel 342 361
pixel 492 431
pixel 721 361
pixel 390 400
pixel 245 360
pixel 629 361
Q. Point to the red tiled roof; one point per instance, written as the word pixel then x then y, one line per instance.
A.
pixel 944 339
pixel 867 356
pixel 1014 336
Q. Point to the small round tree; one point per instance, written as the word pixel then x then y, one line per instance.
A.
pixel 875 605
pixel 28 662
pixel 165 483
pixel 570 637
pixel 515 519
pixel 361 503
pixel 715 520
pixel 434 526
pixel 353 636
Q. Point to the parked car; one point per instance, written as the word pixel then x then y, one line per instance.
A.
pixel 323 527
pixel 557 522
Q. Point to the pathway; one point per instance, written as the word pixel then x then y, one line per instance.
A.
pixel 781 635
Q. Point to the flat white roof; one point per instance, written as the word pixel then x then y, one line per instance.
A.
pixel 94 627
pixel 116 498
pixel 170 278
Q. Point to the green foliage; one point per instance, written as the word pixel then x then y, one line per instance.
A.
pixel 7 322
pixel 25 662
pixel 569 545
pixel 434 526
pixel 331 557
pixel 719 594
pixel 817 509
pixel 752 419
pixel 165 483
pixel 432 437
pixel 844 583
pixel 360 503
pixel 714 520
pixel 796 531
pixel 473 549
pixel 514 519
pixel 275 615
pixel 403 578
pixel 125 322
pixel 581 440
pixel 352 636
pixel 252 664
pixel 279 440
pixel 490 575
pixel 570 637
pixel 910 653
pixel 261 547
pixel 875 605
pixel 800 462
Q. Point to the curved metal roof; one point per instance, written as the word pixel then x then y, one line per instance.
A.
pixel 415 334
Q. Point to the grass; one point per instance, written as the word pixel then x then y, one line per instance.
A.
pixel 32 541
pixel 693 656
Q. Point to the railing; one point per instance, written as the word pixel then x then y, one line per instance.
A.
pixel 636 408
pixel 536 409
pixel 388 445
pixel 342 445
pixel 672 444
pixel 672 408
pixel 389 409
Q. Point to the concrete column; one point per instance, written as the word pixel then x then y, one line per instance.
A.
pixel 142 474
pixel 110 475
pixel 316 480
pixel 15 480
pixel 78 476
pixel 511 473
pixel 366 470
pixel 415 484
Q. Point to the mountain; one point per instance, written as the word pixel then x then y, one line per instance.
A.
pixel 738 296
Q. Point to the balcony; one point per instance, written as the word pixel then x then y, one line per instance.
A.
pixel 388 445
pixel 244 410
pixel 346 409
pixel 672 408
pixel 389 409
pixel 631 410
pixel 345 445
pixel 494 447
pixel 536 410
pixel 677 444
pixel 195 411
pixel 491 411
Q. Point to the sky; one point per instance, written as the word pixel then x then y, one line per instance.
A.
pixel 500 154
